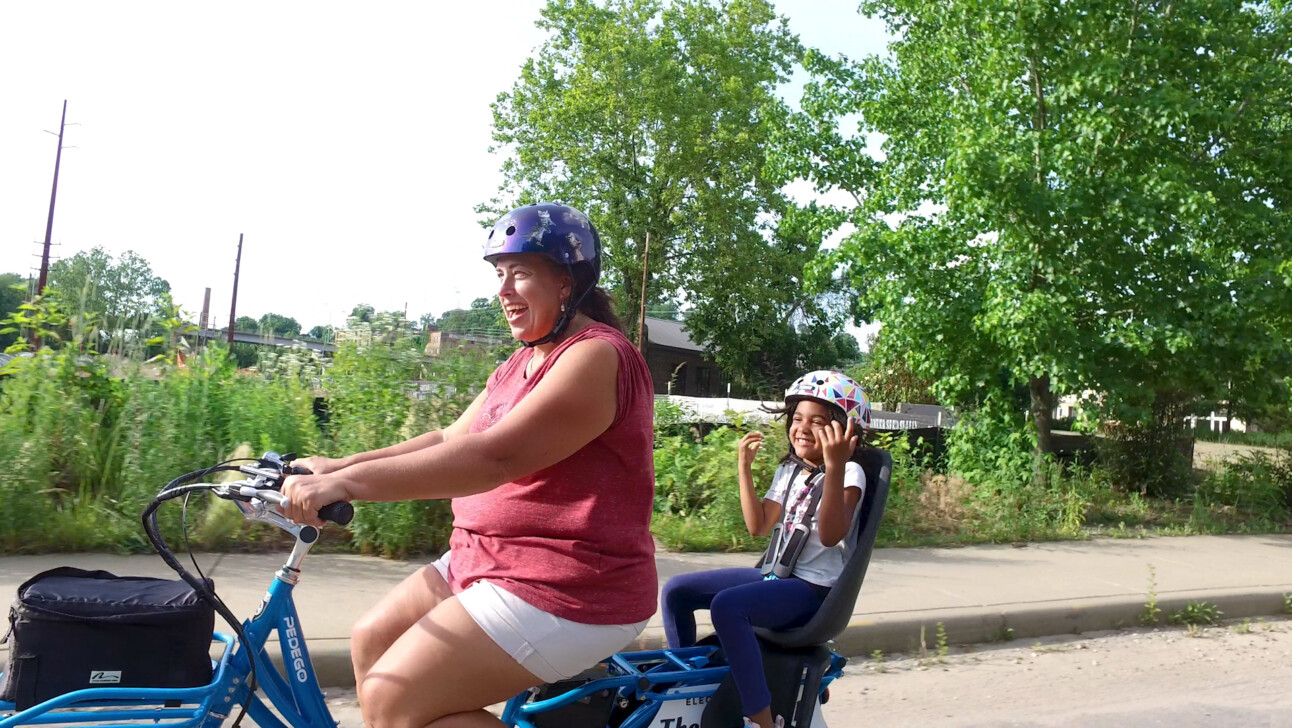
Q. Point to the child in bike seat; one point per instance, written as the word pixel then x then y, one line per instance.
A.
pixel 808 510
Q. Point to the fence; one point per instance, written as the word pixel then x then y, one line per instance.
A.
pixel 718 410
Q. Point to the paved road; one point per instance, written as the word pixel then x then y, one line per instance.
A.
pixel 1235 675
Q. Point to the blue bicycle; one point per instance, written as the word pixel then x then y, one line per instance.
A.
pixel 685 688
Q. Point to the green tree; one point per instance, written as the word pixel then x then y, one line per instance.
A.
pixel 326 334
pixel 484 317
pixel 887 377
pixel 119 294
pixel 279 325
pixel 655 118
pixel 363 312
pixel 1069 194
pixel 13 292
pixel 247 325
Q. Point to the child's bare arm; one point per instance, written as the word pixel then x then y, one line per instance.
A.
pixel 760 514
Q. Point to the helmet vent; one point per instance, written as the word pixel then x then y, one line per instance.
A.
pixel 511 229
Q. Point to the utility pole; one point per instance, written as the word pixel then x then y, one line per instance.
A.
pixel 233 305
pixel 205 321
pixel 641 318
pixel 53 195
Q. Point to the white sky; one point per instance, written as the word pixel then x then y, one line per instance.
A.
pixel 348 142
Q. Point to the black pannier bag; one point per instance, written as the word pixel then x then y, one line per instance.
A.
pixel 72 629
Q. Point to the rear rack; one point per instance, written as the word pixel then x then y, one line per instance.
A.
pixel 649 676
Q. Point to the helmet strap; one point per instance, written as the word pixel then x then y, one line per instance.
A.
pixel 567 315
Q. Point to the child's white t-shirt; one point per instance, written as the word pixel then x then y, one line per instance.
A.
pixel 817 564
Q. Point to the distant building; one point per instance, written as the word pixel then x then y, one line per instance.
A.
pixel 437 342
pixel 678 366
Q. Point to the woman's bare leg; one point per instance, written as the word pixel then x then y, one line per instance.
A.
pixel 441 672
pixel 399 610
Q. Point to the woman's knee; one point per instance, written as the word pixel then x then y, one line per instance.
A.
pixel 384 704
pixel 371 636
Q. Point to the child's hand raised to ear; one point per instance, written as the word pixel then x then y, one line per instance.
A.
pixel 747 448
pixel 837 443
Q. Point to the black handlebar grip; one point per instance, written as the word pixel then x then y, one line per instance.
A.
pixel 298 470
pixel 340 513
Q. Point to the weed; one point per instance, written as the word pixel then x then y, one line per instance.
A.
pixel 877 656
pixel 944 647
pixel 1196 613
pixel 1287 603
pixel 1244 628
pixel 1152 613
pixel 1006 634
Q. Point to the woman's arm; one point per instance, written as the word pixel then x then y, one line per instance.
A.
pixel 460 426
pixel 574 403
pixel 321 465
pixel 834 514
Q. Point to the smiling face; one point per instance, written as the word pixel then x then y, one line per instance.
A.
pixel 531 289
pixel 809 415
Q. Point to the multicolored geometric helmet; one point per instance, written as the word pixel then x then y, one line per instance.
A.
pixel 560 232
pixel 833 388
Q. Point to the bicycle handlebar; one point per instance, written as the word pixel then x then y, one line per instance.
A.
pixel 339 513
pixel 268 475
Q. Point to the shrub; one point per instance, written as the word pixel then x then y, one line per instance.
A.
pixel 1255 482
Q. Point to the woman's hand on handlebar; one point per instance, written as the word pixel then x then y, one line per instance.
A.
pixel 319 465
pixel 308 494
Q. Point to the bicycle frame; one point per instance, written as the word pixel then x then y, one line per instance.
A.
pixel 654 678
pixel 296 696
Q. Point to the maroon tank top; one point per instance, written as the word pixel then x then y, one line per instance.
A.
pixel 572 539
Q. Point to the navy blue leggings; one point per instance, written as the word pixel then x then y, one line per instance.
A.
pixel 738 600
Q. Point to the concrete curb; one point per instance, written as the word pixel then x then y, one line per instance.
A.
pixel 902 632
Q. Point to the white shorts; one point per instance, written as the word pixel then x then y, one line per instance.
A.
pixel 550 647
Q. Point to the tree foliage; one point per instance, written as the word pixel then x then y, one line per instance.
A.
pixel 323 333
pixel 1070 195
pixel 279 325
pixel 484 317
pixel 656 119
pixel 117 294
pixel 13 292
pixel 888 378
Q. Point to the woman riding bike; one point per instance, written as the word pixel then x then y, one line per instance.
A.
pixel 551 473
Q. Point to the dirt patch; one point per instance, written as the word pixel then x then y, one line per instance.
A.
pixel 1207 455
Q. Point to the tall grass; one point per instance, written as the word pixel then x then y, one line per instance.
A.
pixel 87 440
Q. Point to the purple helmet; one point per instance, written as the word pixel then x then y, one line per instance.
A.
pixel 559 232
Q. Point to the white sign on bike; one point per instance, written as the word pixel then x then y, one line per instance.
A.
pixel 686 712
pixel 682 712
